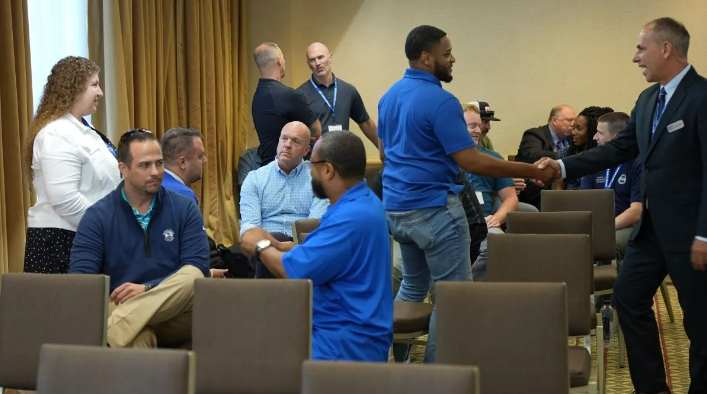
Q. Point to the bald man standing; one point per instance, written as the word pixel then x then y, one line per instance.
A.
pixel 333 100
pixel 274 104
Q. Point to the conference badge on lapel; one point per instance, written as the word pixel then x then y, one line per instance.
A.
pixel 675 126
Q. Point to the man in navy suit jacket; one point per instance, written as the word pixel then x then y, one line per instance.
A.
pixel 184 159
pixel 668 132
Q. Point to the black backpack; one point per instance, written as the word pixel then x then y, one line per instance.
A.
pixel 237 263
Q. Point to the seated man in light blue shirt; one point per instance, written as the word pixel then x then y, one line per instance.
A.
pixel 347 258
pixel 280 193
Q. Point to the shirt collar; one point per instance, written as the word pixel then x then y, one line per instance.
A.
pixel 175 176
pixel 424 75
pixel 295 171
pixel 671 86
pixel 135 211
pixel 356 191
pixel 555 137
pixel 77 122
pixel 333 78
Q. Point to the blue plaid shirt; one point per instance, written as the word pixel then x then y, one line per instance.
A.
pixel 272 199
pixel 144 220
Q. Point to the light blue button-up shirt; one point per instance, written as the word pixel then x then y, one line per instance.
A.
pixel 272 199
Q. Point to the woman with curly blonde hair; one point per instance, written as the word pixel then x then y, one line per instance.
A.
pixel 71 164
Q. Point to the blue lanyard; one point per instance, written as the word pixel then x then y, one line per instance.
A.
pixel 608 184
pixel 331 106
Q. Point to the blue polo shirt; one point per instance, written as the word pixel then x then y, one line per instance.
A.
pixel 421 125
pixel 626 184
pixel 176 185
pixel 348 260
pixel 487 185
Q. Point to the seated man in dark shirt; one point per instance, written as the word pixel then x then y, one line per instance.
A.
pixel 274 104
pixel 625 180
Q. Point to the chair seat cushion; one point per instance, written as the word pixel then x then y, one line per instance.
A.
pixel 409 317
pixel 604 277
pixel 580 365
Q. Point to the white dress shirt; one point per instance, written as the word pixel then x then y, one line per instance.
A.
pixel 73 169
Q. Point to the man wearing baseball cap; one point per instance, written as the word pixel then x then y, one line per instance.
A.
pixel 487 115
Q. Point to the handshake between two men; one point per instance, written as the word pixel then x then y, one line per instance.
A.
pixel 550 171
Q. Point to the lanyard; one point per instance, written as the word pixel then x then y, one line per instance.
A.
pixel 331 106
pixel 608 184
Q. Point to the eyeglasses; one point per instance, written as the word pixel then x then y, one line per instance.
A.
pixel 323 161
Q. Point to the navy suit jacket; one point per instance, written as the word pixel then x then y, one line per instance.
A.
pixel 674 179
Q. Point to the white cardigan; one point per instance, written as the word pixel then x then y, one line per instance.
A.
pixel 73 169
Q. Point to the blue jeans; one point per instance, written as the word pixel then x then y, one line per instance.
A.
pixel 434 243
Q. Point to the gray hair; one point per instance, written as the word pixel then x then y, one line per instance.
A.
pixel 266 54
pixel 668 29
pixel 177 142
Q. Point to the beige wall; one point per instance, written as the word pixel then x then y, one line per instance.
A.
pixel 521 56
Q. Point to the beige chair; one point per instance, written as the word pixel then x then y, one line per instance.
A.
pixel 75 369
pixel 303 226
pixel 377 378
pixel 601 204
pixel 556 258
pixel 251 336
pixel 40 308
pixel 516 333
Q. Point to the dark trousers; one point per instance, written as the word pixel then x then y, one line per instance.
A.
pixel 261 271
pixel 642 271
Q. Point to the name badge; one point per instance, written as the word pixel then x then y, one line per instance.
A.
pixel 676 126
pixel 335 127
pixel 480 197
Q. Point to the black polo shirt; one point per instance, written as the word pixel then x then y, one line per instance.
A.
pixel 349 104
pixel 275 105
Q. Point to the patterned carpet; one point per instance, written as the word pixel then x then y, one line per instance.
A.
pixel 675 352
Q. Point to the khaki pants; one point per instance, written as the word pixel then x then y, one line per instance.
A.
pixel 162 314
pixel 621 242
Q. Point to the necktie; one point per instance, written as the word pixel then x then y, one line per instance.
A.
pixel 558 146
pixel 658 110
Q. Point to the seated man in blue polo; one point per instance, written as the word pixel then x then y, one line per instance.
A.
pixel 184 158
pixel 151 242
pixel 280 193
pixel 347 258
pixel 496 195
pixel 625 180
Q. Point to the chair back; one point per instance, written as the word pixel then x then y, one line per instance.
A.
pixel 251 336
pixel 40 308
pixel 303 226
pixel 516 333
pixel 562 258
pixel 600 203
pixel 93 369
pixel 327 377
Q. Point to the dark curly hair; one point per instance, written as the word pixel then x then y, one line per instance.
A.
pixel 592 114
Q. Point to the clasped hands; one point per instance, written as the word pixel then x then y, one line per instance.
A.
pixel 548 171
pixel 255 234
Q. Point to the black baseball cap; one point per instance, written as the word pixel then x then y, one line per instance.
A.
pixel 485 110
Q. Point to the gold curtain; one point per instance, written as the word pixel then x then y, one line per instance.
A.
pixel 178 63
pixel 15 114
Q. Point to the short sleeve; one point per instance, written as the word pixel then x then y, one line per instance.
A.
pixel 636 168
pixel 298 108
pixel 358 109
pixel 450 127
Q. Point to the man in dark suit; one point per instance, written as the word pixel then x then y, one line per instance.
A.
pixel 545 141
pixel 668 131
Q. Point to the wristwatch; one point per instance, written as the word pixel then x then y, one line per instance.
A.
pixel 260 246
pixel 148 287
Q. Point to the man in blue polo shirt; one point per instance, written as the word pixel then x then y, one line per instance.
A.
pixel 423 140
pixel 347 257
pixel 625 180
pixel 184 158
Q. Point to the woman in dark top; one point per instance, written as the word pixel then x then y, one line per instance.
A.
pixel 585 126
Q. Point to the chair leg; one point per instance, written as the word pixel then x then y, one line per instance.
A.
pixel 601 366
pixel 666 298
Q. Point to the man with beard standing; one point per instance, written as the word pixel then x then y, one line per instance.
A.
pixel 423 140
pixel 347 257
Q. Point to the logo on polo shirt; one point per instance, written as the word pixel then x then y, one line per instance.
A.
pixel 168 235
pixel 622 179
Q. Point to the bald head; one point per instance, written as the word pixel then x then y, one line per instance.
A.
pixel 319 60
pixel 293 145
pixel 270 60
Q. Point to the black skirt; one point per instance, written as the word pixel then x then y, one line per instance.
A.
pixel 48 250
